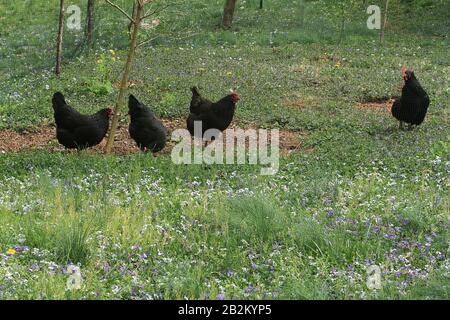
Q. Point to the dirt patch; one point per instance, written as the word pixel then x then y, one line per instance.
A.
pixel 294 103
pixel 376 104
pixel 326 58
pixel 44 138
pixel 289 142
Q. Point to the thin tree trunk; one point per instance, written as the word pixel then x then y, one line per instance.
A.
pixel 59 39
pixel 228 12
pixel 130 25
pixel 342 31
pixel 302 13
pixel 260 4
pixel 383 27
pixel 137 17
pixel 90 23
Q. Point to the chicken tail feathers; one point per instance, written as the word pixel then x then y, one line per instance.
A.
pixel 58 100
pixel 133 103
pixel 133 100
pixel 195 91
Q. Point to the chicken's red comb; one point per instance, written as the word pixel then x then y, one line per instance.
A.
pixel 404 71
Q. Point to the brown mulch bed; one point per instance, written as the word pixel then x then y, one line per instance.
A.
pixel 44 138
pixel 294 103
pixel 376 105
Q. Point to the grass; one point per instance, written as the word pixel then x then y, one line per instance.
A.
pixel 143 228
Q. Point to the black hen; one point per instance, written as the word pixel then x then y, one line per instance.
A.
pixel 75 130
pixel 213 115
pixel 413 104
pixel 148 132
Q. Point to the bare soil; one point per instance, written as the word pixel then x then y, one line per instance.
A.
pixel 44 138
pixel 380 105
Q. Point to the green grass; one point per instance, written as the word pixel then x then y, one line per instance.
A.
pixel 143 228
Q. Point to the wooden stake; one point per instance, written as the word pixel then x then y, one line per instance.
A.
pixel 90 23
pixel 59 39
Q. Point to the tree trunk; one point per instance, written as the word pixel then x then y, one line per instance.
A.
pixel 302 12
pixel 228 12
pixel 260 4
pixel 90 23
pixel 137 17
pixel 130 25
pixel 59 39
pixel 342 31
pixel 385 21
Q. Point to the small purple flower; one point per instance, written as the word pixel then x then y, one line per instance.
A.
pixel 390 236
pixel 194 222
pixel 403 244
pixel 34 267
pixel 376 229
pixel 21 248
pixel 143 256
pixel 220 296
pixel 230 273
pixel 122 270
pixel 335 273
pixel 248 289
pixel 276 246
pixel 136 247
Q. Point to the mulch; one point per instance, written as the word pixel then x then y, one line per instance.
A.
pixel 380 106
pixel 44 138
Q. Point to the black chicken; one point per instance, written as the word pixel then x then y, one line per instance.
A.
pixel 413 104
pixel 148 132
pixel 75 130
pixel 213 115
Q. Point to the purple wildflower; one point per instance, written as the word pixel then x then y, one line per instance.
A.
pixel 248 289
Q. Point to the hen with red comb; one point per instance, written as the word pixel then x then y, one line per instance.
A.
pixel 212 115
pixel 412 106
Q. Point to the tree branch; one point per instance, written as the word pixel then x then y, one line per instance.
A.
pixel 121 10
pixel 147 14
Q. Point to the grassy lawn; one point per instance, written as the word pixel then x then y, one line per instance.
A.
pixel 357 193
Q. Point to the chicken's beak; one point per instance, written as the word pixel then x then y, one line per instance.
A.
pixel 235 96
